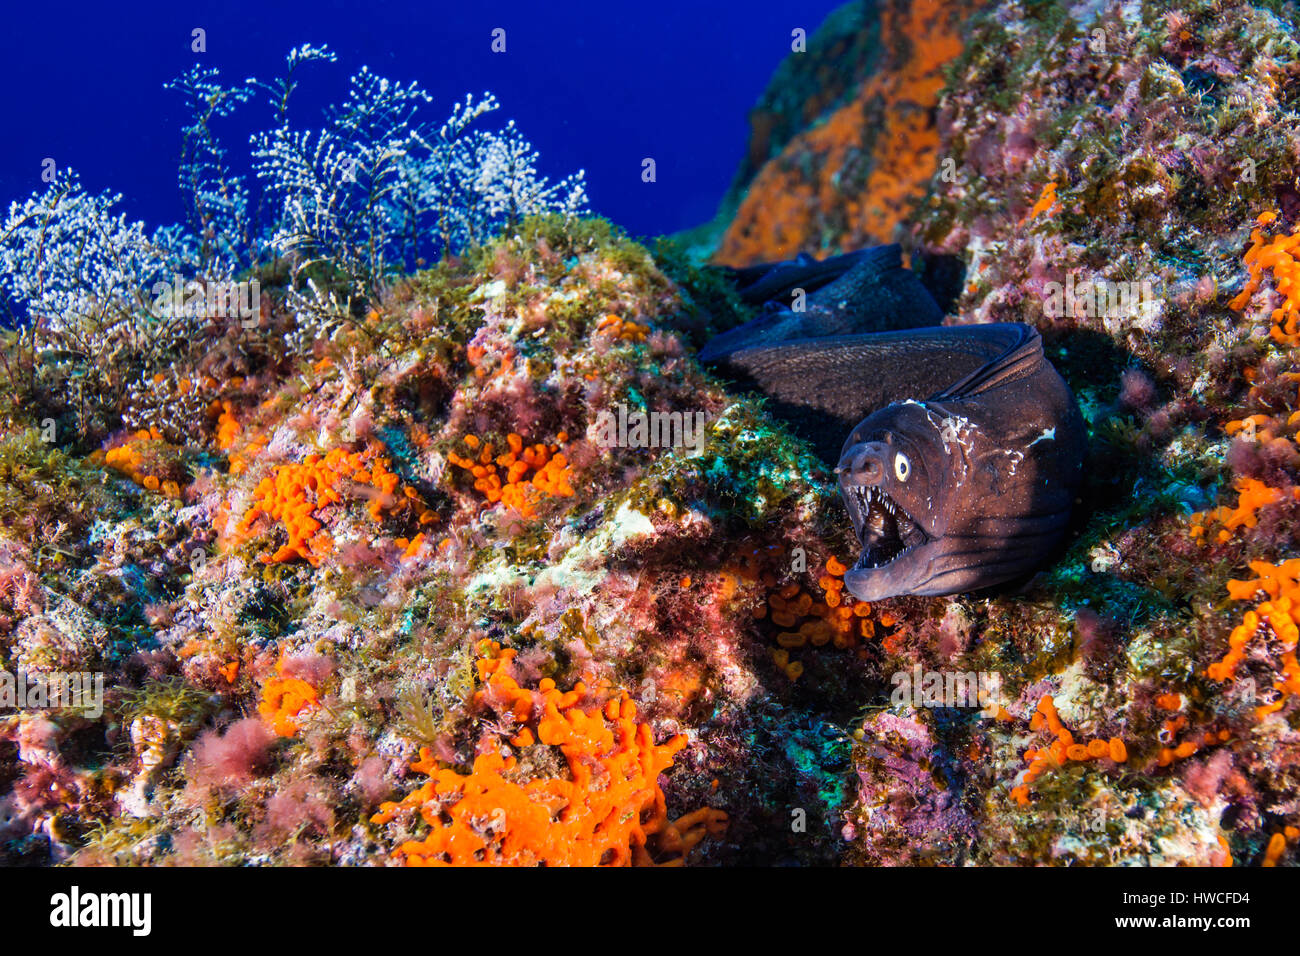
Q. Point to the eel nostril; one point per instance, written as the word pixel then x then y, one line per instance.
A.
pixel 863 465
pixel 866 466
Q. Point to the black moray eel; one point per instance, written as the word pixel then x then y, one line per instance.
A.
pixel 965 447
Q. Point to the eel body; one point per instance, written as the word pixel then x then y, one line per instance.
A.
pixel 960 448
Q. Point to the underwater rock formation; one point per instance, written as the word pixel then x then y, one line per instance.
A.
pixel 860 171
pixel 1109 167
pixel 413 548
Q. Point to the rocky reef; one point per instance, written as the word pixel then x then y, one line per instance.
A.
pixel 1124 179
pixel 369 590
pixel 853 160
pixel 430 585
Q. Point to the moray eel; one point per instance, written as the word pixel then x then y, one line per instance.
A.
pixel 964 446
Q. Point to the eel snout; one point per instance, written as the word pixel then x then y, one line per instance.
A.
pixel 885 529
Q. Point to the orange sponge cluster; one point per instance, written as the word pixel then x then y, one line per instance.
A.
pixel 1278 254
pixel 1263 428
pixel 229 431
pixel 1188 747
pixel 228 427
pixel 128 459
pixel 833 618
pixel 1252 494
pixel 296 493
pixel 603 814
pixel 1277 845
pixel 1168 733
pixel 285 700
pixel 1281 612
pixel 1062 750
pixel 1046 201
pixel 490 364
pixel 521 476
pixel 625 330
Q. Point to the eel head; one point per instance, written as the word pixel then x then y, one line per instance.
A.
pixel 889 491
pixel 948 497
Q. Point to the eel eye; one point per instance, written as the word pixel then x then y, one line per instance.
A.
pixel 902 466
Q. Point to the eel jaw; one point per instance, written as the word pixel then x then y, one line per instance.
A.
pixel 885 531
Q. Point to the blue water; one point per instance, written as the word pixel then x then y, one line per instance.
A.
pixel 595 84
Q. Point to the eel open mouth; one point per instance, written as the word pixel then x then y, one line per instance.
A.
pixel 885 531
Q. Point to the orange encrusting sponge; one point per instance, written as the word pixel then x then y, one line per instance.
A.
pixel 1277 845
pixel 625 330
pixel 1278 254
pixel 1046 201
pixel 284 700
pixel 1281 612
pixel 296 492
pixel 603 815
pixel 835 619
pixel 127 459
pixel 1062 750
pixel 519 477
pixel 1252 494
pixel 228 435
pixel 228 427
pixel 1189 747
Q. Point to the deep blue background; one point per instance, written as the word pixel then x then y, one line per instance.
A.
pixel 594 84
